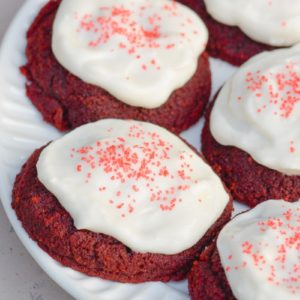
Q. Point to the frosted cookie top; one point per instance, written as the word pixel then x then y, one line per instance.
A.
pixel 134 181
pixel 258 110
pixel 272 22
pixel 140 51
pixel 260 252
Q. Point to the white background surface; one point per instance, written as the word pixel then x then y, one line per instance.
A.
pixel 20 277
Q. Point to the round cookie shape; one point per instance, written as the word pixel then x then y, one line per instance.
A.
pixel 65 101
pixel 258 110
pixel 259 251
pixel 260 241
pixel 130 49
pixel 113 175
pixel 274 23
pixel 97 254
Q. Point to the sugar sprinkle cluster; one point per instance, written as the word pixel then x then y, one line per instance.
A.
pixel 145 167
pixel 136 28
pixel 281 89
pixel 282 268
pixel 279 92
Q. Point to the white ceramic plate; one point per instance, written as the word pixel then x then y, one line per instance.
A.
pixel 22 130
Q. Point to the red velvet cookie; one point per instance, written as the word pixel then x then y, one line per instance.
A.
pixel 97 254
pixel 248 181
pixel 67 102
pixel 254 257
pixel 229 42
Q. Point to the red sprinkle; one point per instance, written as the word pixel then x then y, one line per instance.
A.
pixel 122 21
pixel 278 91
pixel 278 270
pixel 144 163
pixel 283 91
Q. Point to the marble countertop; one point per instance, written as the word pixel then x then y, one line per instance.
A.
pixel 20 276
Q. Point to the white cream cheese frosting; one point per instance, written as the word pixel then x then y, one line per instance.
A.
pixel 134 181
pixel 259 251
pixel 258 110
pixel 272 22
pixel 139 51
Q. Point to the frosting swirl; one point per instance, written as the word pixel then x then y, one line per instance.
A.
pixel 272 22
pixel 139 51
pixel 134 181
pixel 258 110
